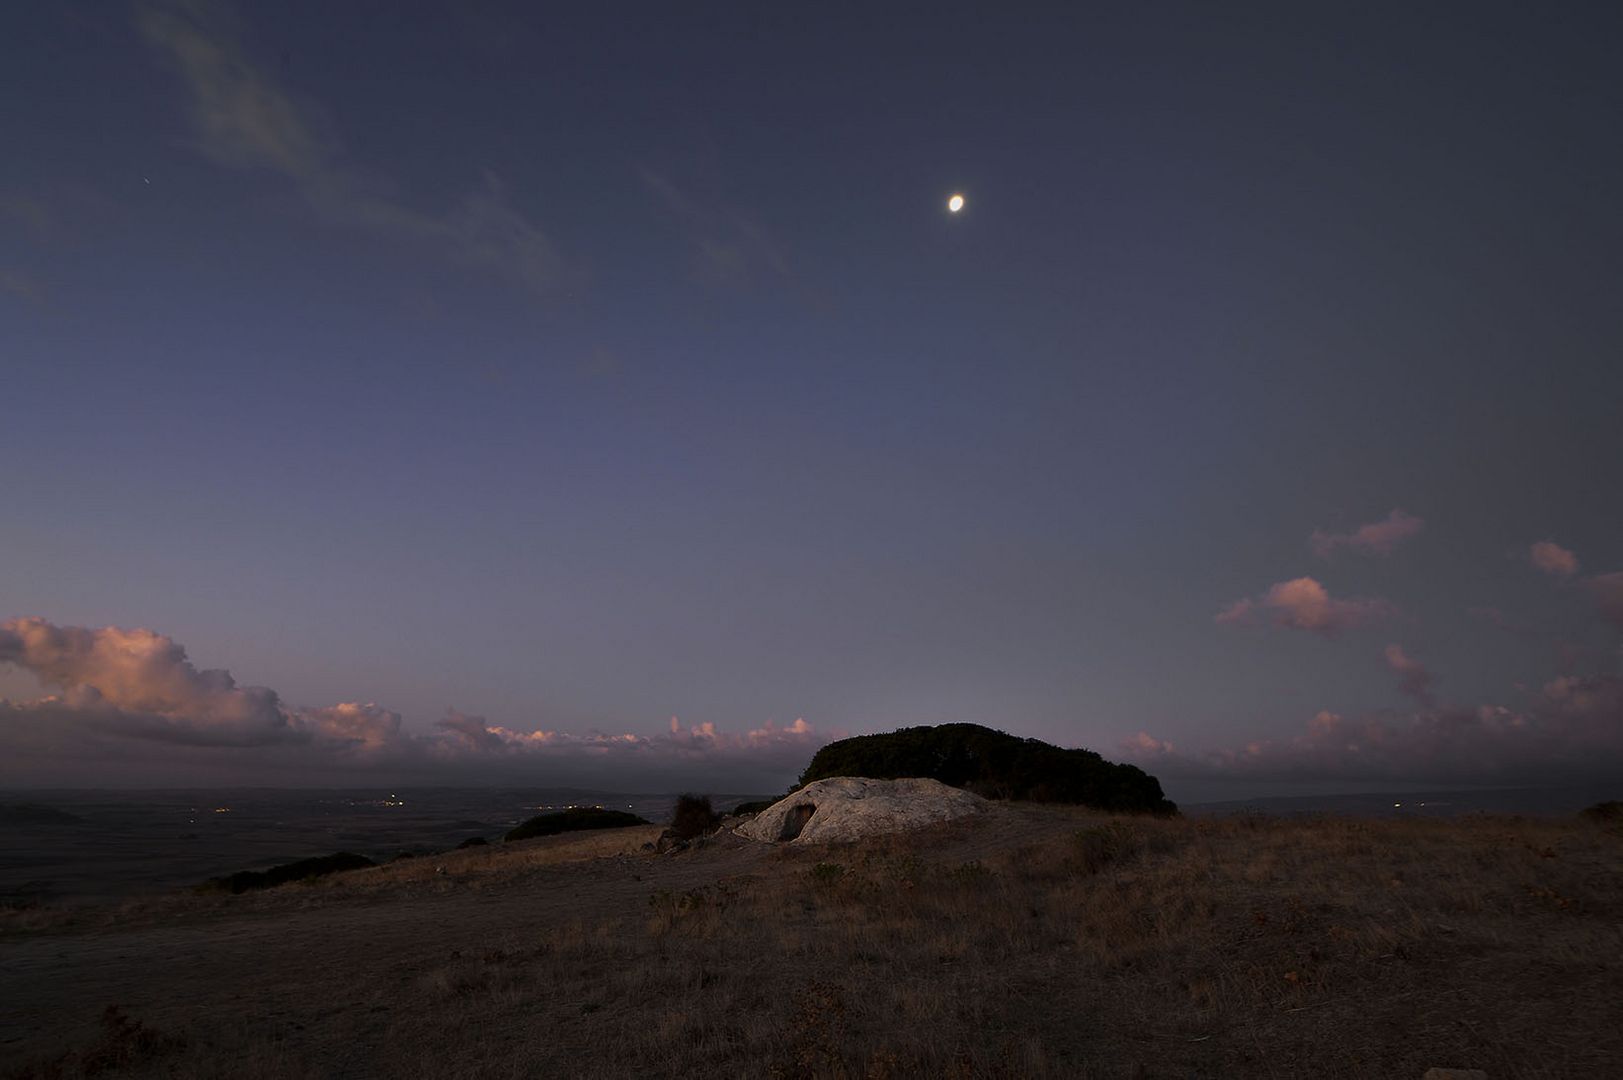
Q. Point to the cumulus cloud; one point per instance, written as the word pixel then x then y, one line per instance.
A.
pixel 1304 604
pixel 243 119
pixel 1573 730
pixel 1144 747
pixel 1605 589
pixel 1413 677
pixel 1377 538
pixel 1552 558
pixel 118 687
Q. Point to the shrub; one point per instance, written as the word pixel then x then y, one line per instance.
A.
pixel 303 870
pixel 573 820
pixel 1604 812
pixel 693 816
pixel 827 873
pixel 472 841
pixel 994 764
pixel 752 808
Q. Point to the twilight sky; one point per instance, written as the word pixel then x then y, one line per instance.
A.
pixel 498 382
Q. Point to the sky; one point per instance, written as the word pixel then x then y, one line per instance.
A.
pixel 498 392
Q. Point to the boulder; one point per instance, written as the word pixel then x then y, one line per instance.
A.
pixel 848 807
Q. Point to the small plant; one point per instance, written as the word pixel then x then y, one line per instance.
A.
pixel 694 816
pixel 972 873
pixel 827 873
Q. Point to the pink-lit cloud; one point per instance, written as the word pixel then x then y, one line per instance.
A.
pixel 1552 558
pixel 1146 747
pixel 116 687
pixel 1573 729
pixel 1377 538
pixel 1607 589
pixel 1305 604
pixel 1413 677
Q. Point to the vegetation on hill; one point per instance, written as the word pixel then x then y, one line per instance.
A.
pixel 693 816
pixel 993 764
pixel 34 814
pixel 573 820
pixel 245 880
pixel 1604 812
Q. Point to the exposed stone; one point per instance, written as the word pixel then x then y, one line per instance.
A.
pixel 669 843
pixel 848 807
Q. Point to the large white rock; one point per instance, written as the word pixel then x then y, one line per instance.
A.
pixel 846 807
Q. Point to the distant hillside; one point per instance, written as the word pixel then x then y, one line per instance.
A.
pixel 993 764
pixel 32 814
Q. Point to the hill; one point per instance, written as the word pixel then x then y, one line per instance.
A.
pixel 995 765
pixel 1033 941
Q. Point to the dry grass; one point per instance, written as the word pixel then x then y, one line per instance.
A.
pixel 1035 942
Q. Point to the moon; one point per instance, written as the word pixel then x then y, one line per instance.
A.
pixel 955 204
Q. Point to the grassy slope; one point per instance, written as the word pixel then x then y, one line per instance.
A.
pixel 1003 946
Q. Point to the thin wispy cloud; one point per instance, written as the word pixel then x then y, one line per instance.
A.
pixel 1572 730
pixel 1377 538
pixel 1414 678
pixel 730 246
pixel 1607 589
pixel 21 285
pixel 243 119
pixel 1305 604
pixel 31 214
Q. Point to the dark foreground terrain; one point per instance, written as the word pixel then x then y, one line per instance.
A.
pixel 1032 941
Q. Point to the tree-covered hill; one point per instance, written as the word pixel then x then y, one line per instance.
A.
pixel 994 764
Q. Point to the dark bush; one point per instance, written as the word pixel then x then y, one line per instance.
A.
pixel 1604 812
pixel 34 814
pixel 752 808
pixel 693 816
pixel 993 764
pixel 574 819
pixel 472 841
pixel 304 869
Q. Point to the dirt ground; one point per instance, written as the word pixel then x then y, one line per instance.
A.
pixel 1030 941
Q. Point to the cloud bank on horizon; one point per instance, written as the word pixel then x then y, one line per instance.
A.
pixel 133 697
pixel 131 700
pixel 1571 728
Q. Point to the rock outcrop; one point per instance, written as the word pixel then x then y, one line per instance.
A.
pixel 848 807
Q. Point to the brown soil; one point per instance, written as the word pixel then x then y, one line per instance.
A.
pixel 1032 941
